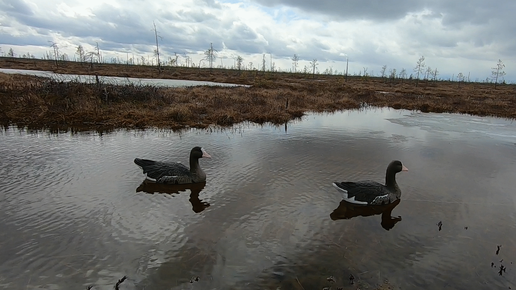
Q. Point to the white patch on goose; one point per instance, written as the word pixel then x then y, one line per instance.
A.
pixel 346 197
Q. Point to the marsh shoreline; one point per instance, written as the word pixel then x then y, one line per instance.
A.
pixel 272 97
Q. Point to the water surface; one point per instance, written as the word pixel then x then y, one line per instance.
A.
pixel 91 79
pixel 75 212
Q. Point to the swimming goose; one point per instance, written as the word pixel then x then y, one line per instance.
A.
pixel 174 172
pixel 369 192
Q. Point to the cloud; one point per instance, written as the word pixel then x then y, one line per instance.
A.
pixel 470 35
pixel 16 7
pixel 351 10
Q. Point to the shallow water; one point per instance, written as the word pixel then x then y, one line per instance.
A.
pixel 90 79
pixel 75 212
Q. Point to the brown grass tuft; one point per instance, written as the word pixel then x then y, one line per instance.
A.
pixel 273 97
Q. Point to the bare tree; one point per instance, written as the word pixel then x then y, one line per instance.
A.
pixel 11 52
pixel 175 60
pixel 314 65
pixel 187 60
pixel 99 58
pixel 382 72
pixel 434 74
pixel 210 55
pixel 428 73
pixel 157 46
pixel 171 61
pixel 402 74
pixel 460 78
pixel 498 72
pixel 93 56
pixel 420 65
pixel 295 61
pixel 239 61
pixel 80 52
pixel 263 63
pixel 328 71
pixel 392 74
pixel 272 63
pixel 55 47
pixel 365 72
pixel 347 63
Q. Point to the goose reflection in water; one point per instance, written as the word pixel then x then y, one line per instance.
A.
pixel 152 187
pixel 348 210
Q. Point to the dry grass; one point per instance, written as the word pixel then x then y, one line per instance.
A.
pixel 275 98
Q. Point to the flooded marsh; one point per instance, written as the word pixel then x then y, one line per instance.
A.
pixel 77 212
pixel 113 96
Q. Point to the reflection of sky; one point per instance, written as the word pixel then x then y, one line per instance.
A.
pixel 373 121
pixel 114 80
pixel 270 194
pixel 411 124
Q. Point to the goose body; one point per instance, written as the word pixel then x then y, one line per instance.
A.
pixel 175 172
pixel 368 192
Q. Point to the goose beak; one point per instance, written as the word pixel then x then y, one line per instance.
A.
pixel 205 154
pixel 404 168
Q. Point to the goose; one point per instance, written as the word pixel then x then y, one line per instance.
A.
pixel 369 192
pixel 175 172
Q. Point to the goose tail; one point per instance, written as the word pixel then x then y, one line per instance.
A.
pixel 143 162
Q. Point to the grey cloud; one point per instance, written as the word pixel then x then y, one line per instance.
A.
pixel 454 12
pixel 445 26
pixel 23 40
pixel 366 9
pixel 16 6
pixel 242 38
pixel 193 16
pixel 210 3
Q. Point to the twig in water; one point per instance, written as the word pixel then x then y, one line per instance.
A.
pixel 30 277
pixel 194 279
pixel 498 249
pixel 300 284
pixel 502 269
pixel 117 285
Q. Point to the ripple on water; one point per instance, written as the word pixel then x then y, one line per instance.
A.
pixel 71 214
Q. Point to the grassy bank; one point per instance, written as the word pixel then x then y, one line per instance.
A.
pixel 273 97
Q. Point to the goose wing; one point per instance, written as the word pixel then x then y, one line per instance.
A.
pixel 157 169
pixel 363 192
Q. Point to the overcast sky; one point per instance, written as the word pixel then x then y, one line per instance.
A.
pixel 454 36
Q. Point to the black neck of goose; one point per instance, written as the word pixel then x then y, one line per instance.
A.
pixel 194 164
pixel 390 180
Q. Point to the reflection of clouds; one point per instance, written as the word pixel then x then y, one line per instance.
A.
pixel 270 194
pixel 363 124
pixel 115 80
pixel 460 126
pixel 288 169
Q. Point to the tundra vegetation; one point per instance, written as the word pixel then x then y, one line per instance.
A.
pixel 269 97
